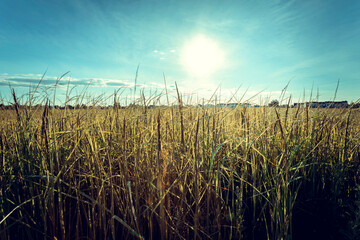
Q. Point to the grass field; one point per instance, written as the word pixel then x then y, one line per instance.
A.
pixel 179 173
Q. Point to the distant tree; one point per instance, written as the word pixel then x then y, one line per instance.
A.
pixel 274 103
pixel 355 105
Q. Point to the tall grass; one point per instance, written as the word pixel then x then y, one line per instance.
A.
pixel 179 173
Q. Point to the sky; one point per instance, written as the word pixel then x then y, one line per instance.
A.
pixel 234 50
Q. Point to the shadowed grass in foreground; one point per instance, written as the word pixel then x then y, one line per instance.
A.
pixel 179 173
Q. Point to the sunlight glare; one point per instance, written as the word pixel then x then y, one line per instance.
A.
pixel 202 56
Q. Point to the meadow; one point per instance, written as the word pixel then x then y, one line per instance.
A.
pixel 180 172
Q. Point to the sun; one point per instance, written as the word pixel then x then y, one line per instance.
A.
pixel 202 56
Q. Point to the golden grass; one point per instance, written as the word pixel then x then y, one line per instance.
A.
pixel 175 173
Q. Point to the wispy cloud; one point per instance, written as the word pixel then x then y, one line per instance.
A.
pixel 27 80
pixel 163 54
pixel 293 69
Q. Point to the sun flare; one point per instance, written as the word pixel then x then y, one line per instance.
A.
pixel 202 56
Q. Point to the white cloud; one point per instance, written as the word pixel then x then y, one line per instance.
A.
pixel 24 80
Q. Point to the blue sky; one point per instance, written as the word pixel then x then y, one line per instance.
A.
pixel 265 44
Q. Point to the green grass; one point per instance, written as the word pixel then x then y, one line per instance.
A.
pixel 179 173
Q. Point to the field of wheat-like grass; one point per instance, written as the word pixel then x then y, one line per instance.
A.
pixel 179 173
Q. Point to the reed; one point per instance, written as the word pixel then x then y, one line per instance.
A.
pixel 190 172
